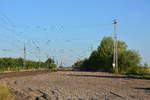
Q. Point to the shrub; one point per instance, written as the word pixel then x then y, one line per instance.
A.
pixel 139 71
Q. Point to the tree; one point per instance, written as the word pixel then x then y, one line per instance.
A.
pixel 50 63
pixel 129 59
pixel 16 64
pixel 94 61
pixel 106 50
pixel 102 58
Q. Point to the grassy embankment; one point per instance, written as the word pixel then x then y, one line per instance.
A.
pixel 139 76
pixel 5 93
pixel 140 73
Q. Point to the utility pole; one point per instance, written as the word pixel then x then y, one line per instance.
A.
pixel 39 56
pixel 24 53
pixel 61 63
pixel 115 56
pixel 47 56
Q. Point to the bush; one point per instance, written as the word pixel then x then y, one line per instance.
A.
pixel 79 65
pixel 139 71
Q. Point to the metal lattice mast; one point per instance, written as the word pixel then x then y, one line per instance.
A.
pixel 115 56
pixel 24 52
pixel 39 51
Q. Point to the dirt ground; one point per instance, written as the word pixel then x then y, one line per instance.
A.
pixel 70 85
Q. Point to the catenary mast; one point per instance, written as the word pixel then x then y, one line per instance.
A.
pixel 115 55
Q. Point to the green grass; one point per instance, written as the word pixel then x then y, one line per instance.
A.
pixel 5 93
pixel 139 76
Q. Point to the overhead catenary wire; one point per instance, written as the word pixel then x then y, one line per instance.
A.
pixel 9 24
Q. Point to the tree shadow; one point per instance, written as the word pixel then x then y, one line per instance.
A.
pixel 146 89
pixel 108 76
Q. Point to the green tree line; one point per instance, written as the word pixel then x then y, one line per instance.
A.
pixel 16 64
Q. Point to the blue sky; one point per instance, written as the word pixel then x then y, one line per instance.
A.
pixel 68 30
